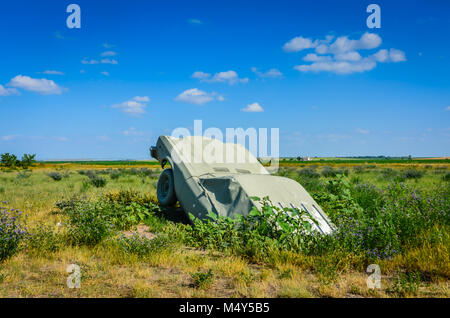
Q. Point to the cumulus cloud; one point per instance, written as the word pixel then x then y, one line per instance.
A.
pixel 253 108
pixel 272 73
pixel 299 43
pixel 141 98
pixel 51 72
pixel 338 67
pixel 201 75
pixel 42 86
pixel 342 55
pixel 392 55
pixel 230 77
pixel 6 91
pixel 197 97
pixel 134 106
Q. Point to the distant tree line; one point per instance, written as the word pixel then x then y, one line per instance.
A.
pixel 11 161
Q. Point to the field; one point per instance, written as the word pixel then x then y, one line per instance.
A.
pixel 104 217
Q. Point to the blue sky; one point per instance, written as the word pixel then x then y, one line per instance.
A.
pixel 138 69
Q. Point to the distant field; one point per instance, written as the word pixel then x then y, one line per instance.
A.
pixel 368 161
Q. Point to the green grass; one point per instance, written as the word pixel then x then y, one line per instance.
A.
pixel 109 231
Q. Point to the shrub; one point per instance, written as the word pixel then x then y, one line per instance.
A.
pixel 23 174
pixel 87 225
pixel 202 280
pixel 27 160
pixel 12 231
pixel 97 181
pixel 328 172
pixel 405 284
pixel 359 169
pixel 142 246
pixel 9 160
pixel 413 174
pixel 308 173
pixel 43 239
pixel 446 177
pixel 115 175
pixel 55 176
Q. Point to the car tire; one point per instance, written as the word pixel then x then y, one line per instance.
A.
pixel 165 189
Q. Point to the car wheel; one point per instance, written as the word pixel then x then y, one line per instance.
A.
pixel 165 189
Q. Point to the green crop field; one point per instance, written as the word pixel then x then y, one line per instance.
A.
pixel 103 217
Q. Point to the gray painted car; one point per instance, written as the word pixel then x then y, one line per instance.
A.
pixel 207 175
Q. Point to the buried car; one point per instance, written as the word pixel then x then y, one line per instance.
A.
pixel 206 175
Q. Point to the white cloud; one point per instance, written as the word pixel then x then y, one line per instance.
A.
pixel 397 55
pixel 195 21
pixel 8 138
pixel 338 67
pixel 362 131
pixel 201 75
pixel 85 61
pixel 108 46
pixel 341 55
pixel 272 73
pixel 134 106
pixel 108 61
pixel 105 73
pixel 312 57
pixel 196 96
pixel 103 138
pixel 392 55
pixel 6 91
pixel 141 98
pixel 343 44
pixel 253 108
pixel 108 53
pixel 299 43
pixel 348 56
pixel 381 56
pixel 102 61
pixel 42 86
pixel 62 139
pixel 230 77
pixel 50 72
pixel 447 109
pixel 132 132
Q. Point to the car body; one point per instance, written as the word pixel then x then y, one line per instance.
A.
pixel 206 178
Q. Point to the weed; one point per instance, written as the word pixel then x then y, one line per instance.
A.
pixel 43 239
pixel 405 284
pixel 202 280
pixel 12 231
pixel 55 175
